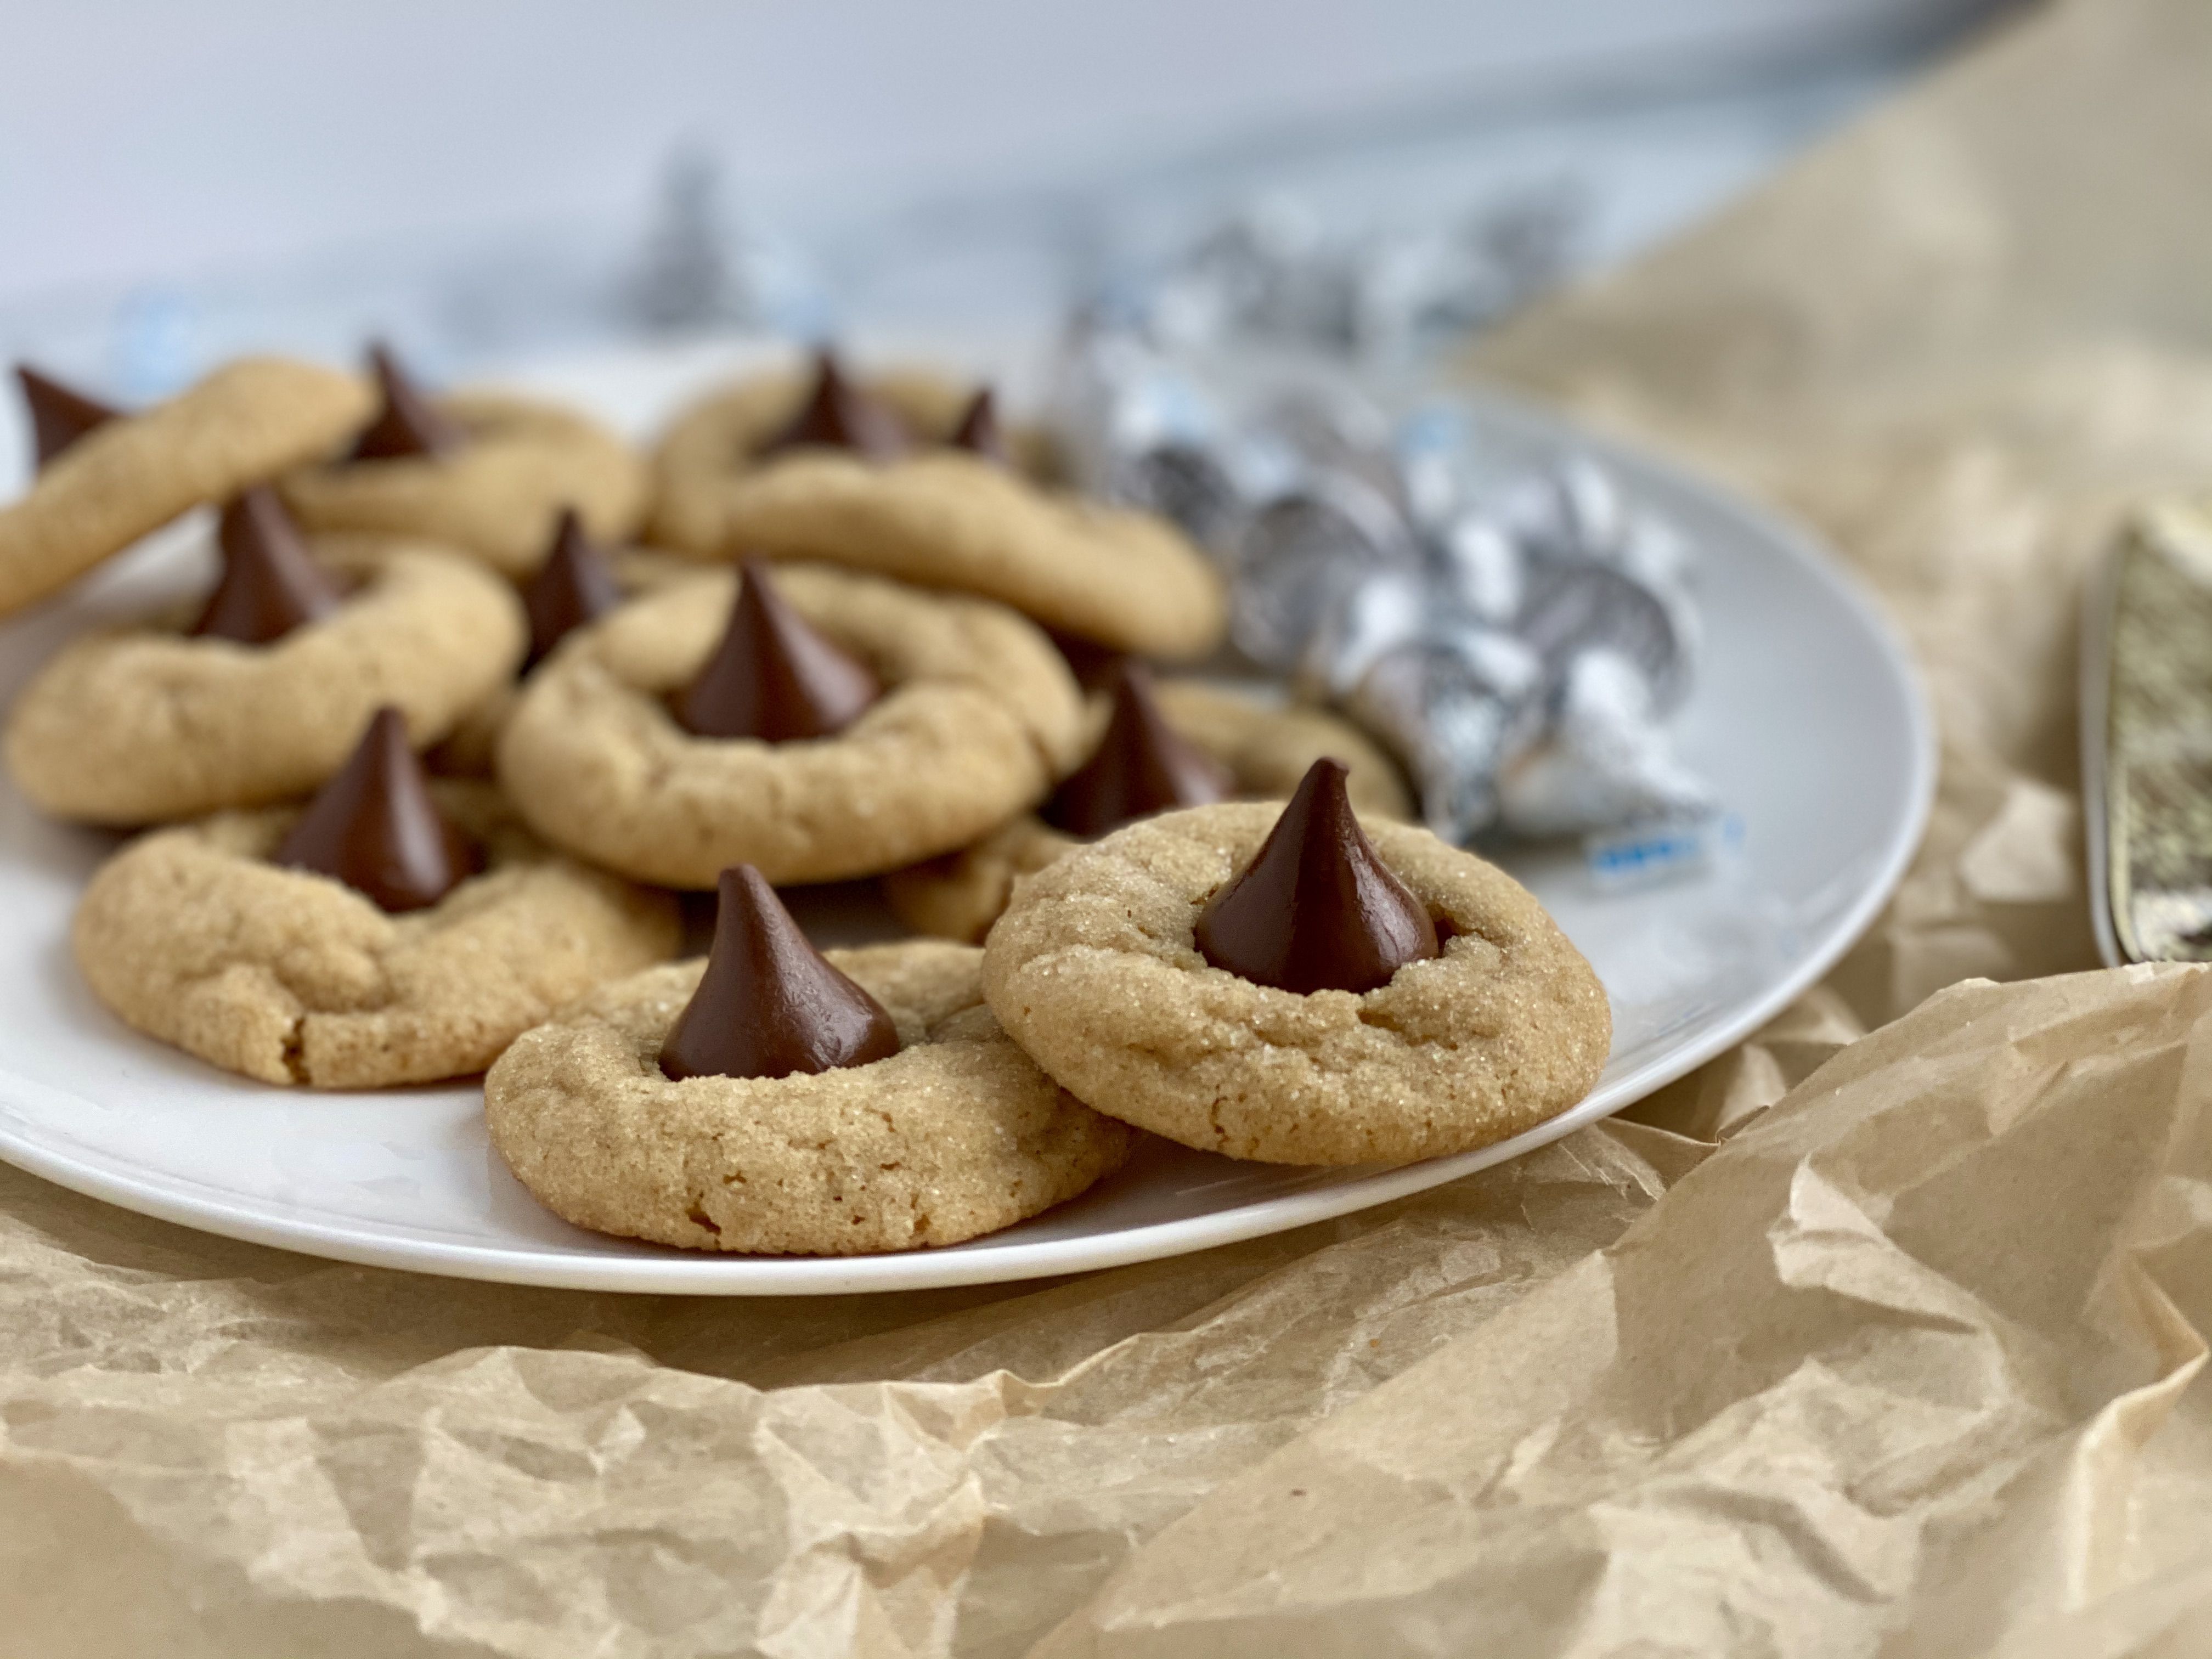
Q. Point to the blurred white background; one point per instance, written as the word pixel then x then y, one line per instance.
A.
pixel 174 178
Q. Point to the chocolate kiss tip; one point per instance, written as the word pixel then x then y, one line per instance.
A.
pixel 840 414
pixel 1142 766
pixel 1317 909
pixel 270 584
pixel 374 827
pixel 59 416
pixel 775 676
pixel 573 586
pixel 979 431
pixel 769 1005
pixel 409 424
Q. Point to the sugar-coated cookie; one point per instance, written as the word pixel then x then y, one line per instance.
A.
pixel 128 476
pixel 1095 970
pixel 977 715
pixel 957 1134
pixel 498 493
pixel 142 725
pixel 192 936
pixel 935 515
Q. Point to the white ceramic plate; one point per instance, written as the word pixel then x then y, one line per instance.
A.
pixel 1806 716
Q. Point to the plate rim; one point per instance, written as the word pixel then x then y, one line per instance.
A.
pixel 979 1261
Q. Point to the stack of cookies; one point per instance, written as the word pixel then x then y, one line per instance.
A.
pixel 478 692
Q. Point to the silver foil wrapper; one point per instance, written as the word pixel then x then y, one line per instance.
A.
pixel 1516 633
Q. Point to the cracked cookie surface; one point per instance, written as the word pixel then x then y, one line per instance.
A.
pixel 192 937
pixel 939 517
pixel 247 422
pixel 979 714
pixel 955 1135
pixel 1266 749
pixel 1093 970
pixel 498 496
pixel 142 725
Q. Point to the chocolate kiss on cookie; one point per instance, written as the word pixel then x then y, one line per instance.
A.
pixel 1317 909
pixel 271 584
pixel 841 415
pixel 775 676
pixel 979 431
pixel 1141 765
pixel 573 587
pixel 374 827
pixel 768 1004
pixel 409 424
pixel 59 416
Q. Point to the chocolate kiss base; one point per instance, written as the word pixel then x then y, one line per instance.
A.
pixel 575 586
pixel 1142 766
pixel 773 676
pixel 409 424
pixel 59 416
pixel 270 584
pixel 841 415
pixel 374 827
pixel 768 1004
pixel 1317 909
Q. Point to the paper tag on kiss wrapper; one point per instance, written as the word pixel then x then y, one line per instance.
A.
pixel 1650 854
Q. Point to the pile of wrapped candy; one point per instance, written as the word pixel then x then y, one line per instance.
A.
pixel 1517 634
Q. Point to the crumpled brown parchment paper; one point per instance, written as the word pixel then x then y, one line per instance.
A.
pixel 1877 1345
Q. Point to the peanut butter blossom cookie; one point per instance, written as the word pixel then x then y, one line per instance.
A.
pixel 820 723
pixel 1162 747
pixel 394 931
pixel 772 1100
pixel 1300 988
pixel 106 477
pixel 263 693
pixel 831 471
pixel 484 472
